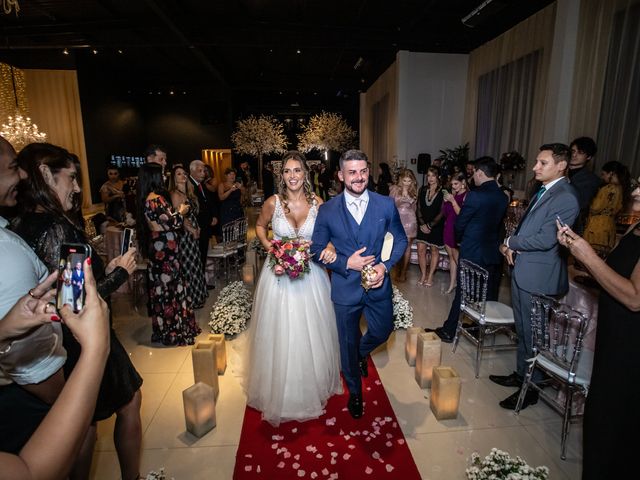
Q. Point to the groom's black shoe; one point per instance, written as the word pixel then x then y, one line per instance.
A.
pixel 355 405
pixel 364 366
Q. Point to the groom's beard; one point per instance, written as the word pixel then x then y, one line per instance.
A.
pixel 361 186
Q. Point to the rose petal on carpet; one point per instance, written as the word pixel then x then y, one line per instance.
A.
pixel 332 446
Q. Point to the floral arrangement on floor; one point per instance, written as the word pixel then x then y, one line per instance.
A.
pixel 153 475
pixel 232 309
pixel 499 465
pixel 402 310
pixel 290 256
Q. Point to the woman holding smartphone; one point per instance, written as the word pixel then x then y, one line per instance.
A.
pixel 230 193
pixel 50 217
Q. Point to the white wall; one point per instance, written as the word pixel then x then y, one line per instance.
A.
pixel 431 96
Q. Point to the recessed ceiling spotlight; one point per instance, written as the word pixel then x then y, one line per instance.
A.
pixel 150 93
pixel 279 93
pixel 315 93
pixel 271 50
pixel 65 51
pixel 184 92
pixel 298 51
pixel 159 93
pixel 120 51
pixel 171 92
pixel 94 51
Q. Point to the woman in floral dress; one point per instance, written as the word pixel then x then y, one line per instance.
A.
pixel 172 317
pixel 182 192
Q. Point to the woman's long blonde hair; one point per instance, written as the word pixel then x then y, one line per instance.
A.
pixel 306 186
pixel 413 188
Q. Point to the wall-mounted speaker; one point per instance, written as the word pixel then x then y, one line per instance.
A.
pixel 424 162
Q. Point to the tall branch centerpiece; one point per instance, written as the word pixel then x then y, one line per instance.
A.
pixel 326 131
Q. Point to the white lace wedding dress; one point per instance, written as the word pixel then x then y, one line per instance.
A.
pixel 293 357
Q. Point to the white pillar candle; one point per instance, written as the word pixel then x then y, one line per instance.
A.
pixel 445 393
pixel 221 351
pixel 205 369
pixel 428 355
pixel 410 345
pixel 199 409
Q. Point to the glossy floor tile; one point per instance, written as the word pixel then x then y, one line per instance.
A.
pixel 441 449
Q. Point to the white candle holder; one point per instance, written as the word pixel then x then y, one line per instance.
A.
pixel 199 409
pixel 428 355
pixel 205 369
pixel 221 351
pixel 445 393
pixel 411 345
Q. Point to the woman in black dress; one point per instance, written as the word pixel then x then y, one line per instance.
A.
pixel 50 213
pixel 230 193
pixel 611 411
pixel 385 179
pixel 430 225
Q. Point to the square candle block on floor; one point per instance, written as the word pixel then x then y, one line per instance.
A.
pixel 221 351
pixel 411 345
pixel 445 393
pixel 205 367
pixel 428 356
pixel 199 409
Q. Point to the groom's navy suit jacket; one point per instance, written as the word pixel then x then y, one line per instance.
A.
pixel 336 225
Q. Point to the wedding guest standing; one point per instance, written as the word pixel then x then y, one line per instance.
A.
pixel 607 452
pixel 182 192
pixel 113 196
pixel 385 179
pixel 600 230
pixel 230 193
pixel 405 194
pixel 585 182
pixel 159 226
pixel 450 210
pixel 430 226
pixel 50 206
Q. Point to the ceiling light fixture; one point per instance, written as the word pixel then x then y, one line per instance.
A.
pixel 358 63
pixel 482 12
pixel 65 51
pixel 120 51
pixel 94 51
pixel 19 131
pixel 298 51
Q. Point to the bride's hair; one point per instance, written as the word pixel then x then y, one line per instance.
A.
pixel 306 186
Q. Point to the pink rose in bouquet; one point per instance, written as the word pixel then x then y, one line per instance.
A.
pixel 290 256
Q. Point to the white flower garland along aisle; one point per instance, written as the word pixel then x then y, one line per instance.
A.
pixel 402 311
pixel 153 475
pixel 232 310
pixel 499 465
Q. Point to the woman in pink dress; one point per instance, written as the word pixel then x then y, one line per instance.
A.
pixel 405 195
pixel 450 209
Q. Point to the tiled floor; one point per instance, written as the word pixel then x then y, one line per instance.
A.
pixel 440 449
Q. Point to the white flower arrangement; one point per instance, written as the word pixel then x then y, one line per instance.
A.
pixel 499 465
pixel 153 475
pixel 232 309
pixel 326 131
pixel 402 310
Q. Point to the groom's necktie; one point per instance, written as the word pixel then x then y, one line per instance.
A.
pixel 358 209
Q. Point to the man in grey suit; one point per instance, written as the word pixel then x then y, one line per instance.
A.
pixel 535 255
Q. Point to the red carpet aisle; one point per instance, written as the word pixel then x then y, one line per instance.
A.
pixel 331 447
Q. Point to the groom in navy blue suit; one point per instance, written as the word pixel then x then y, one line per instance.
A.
pixel 356 222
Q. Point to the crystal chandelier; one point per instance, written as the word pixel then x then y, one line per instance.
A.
pixel 18 129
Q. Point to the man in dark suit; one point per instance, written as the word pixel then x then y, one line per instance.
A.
pixel 477 228
pixel 207 212
pixel 356 223
pixel 538 266
pixel 585 182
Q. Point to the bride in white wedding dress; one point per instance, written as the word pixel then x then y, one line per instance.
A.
pixel 292 364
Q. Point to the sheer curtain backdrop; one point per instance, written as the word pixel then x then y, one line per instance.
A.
pixel 505 108
pixel 619 124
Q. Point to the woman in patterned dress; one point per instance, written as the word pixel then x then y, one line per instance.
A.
pixel 405 195
pixel 182 192
pixel 159 227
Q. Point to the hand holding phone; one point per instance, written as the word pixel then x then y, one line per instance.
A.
pixel 127 240
pixel 562 224
pixel 71 281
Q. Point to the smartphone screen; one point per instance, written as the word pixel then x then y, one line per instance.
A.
pixel 70 288
pixel 127 240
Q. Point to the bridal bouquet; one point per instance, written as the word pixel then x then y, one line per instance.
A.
pixel 290 256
